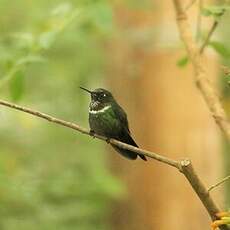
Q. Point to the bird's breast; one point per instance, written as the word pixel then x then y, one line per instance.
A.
pixel 104 122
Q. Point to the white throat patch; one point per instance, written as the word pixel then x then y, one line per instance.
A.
pixel 100 110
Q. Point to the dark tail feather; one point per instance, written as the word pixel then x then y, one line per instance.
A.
pixel 125 152
pixel 126 138
pixel 142 157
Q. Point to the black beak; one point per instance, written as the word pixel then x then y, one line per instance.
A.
pixel 86 90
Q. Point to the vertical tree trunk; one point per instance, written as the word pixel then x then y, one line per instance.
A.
pixel 167 115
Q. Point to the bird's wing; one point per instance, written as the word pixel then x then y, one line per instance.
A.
pixel 121 115
pixel 125 135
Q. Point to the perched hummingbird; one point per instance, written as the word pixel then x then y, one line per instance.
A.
pixel 107 118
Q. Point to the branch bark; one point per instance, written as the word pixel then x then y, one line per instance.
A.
pixel 183 166
pixel 199 188
pixel 201 78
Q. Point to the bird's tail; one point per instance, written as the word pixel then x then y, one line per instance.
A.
pixel 125 152
pixel 142 157
pixel 128 153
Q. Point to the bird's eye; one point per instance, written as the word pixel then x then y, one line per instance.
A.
pixel 104 95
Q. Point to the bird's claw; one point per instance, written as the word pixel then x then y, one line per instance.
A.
pixel 92 133
pixel 107 140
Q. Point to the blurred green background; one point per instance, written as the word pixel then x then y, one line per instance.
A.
pixel 52 177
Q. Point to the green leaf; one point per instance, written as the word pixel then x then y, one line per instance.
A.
pixel 215 11
pixel 220 48
pixel 182 62
pixel 17 86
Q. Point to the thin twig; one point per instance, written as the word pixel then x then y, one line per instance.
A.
pixel 211 31
pixel 87 132
pixel 206 41
pixel 219 183
pixel 200 69
pixel 183 166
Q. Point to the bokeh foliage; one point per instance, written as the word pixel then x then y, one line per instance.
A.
pixel 52 177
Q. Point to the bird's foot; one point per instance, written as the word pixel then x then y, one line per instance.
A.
pixel 107 140
pixel 224 218
pixel 92 133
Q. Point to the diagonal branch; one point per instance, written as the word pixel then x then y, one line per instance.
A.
pixel 200 69
pixel 85 131
pixel 183 166
pixel 210 33
pixel 200 190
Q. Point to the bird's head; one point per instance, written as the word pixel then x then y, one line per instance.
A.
pixel 100 95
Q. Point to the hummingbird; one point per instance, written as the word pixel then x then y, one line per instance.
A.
pixel 107 118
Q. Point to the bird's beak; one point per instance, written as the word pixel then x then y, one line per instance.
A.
pixel 86 90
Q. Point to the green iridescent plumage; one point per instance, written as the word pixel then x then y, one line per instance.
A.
pixel 107 118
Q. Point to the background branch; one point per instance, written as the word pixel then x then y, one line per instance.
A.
pixel 199 67
pixel 200 190
pixel 219 183
pixel 206 41
pixel 183 166
pixel 211 31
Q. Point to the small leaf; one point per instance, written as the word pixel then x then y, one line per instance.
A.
pixel 220 48
pixel 215 11
pixel 182 62
pixel 17 86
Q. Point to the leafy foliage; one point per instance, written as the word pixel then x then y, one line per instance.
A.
pixel 182 62
pixel 51 177
pixel 215 11
pixel 220 48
